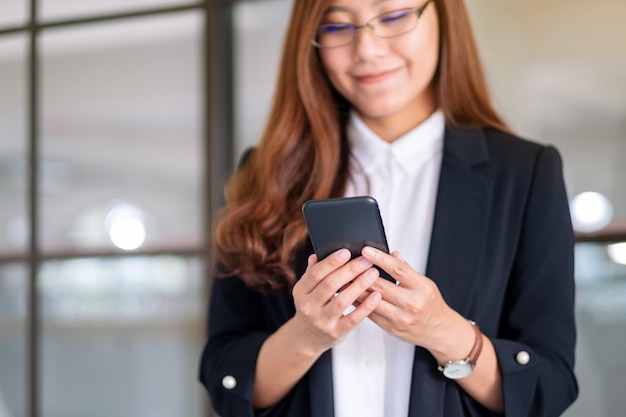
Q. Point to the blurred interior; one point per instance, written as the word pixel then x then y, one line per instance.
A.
pixel 121 199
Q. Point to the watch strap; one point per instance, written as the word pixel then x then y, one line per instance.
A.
pixel 478 345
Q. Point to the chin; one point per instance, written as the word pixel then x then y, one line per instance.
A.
pixel 376 112
pixel 383 105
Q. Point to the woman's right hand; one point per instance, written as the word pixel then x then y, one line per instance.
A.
pixel 327 288
pixel 318 324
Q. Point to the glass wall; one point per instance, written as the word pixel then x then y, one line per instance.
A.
pixel 13 226
pixel 121 336
pixel 601 303
pixel 259 28
pixel 13 12
pixel 64 9
pixel 121 134
pixel 13 145
pixel 13 339
pixel 108 113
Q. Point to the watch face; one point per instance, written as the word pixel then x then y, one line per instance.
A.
pixel 457 370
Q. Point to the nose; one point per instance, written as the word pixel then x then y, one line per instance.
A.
pixel 366 44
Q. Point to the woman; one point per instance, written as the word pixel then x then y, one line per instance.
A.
pixel 387 98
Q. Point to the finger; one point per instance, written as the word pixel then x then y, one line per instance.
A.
pixel 317 270
pixel 348 295
pixel 393 264
pixel 386 288
pixel 385 312
pixel 303 284
pixel 341 277
pixel 350 321
pixel 386 308
pixel 382 321
pixel 391 292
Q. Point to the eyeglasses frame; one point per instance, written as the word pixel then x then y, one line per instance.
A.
pixel 418 11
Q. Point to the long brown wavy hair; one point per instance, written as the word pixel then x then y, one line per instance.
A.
pixel 303 152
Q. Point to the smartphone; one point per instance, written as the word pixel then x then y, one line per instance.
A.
pixel 350 222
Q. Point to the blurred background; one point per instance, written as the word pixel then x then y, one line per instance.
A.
pixel 119 122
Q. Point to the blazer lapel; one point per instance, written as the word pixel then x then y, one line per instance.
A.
pixel 464 199
pixel 456 249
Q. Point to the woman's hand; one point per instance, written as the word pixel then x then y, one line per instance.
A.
pixel 415 311
pixel 321 296
pixel 326 290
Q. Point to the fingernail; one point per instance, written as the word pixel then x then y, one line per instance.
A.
pixel 343 255
pixel 375 297
pixel 372 275
pixel 364 262
pixel 369 251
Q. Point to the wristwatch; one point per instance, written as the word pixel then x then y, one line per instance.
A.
pixel 461 369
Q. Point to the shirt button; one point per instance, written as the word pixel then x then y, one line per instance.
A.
pixel 522 357
pixel 229 382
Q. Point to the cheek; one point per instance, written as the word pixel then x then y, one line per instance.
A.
pixel 429 59
pixel 421 50
pixel 431 46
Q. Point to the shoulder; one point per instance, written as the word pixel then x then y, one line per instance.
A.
pixel 506 145
pixel 502 151
pixel 517 154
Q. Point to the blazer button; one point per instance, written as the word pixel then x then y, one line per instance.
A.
pixel 522 357
pixel 229 382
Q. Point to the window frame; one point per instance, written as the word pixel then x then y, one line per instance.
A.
pixel 217 131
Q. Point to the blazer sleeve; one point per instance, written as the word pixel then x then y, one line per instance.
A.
pixel 235 337
pixel 538 316
pixel 240 320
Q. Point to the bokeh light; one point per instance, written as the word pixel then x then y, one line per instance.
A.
pixel 591 212
pixel 126 226
pixel 617 252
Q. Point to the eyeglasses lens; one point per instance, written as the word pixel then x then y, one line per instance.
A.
pixel 387 25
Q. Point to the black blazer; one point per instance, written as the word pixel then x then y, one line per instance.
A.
pixel 501 253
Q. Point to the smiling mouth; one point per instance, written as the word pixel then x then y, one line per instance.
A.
pixel 374 78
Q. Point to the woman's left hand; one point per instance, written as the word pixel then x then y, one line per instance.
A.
pixel 415 310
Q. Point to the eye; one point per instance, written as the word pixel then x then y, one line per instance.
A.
pixel 395 17
pixel 334 28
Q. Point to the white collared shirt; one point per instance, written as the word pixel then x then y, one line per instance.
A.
pixel 372 369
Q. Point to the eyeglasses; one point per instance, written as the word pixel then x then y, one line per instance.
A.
pixel 386 25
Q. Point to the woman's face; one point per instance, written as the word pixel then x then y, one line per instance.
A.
pixel 385 79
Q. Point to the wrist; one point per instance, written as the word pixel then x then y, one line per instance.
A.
pixel 455 340
pixel 303 340
pixel 456 369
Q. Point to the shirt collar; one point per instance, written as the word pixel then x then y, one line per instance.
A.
pixel 420 143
